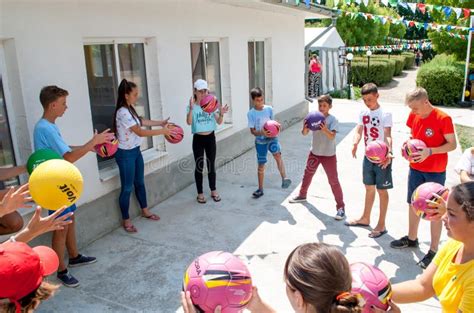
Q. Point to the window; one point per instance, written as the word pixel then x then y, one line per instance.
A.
pixel 205 62
pixel 7 156
pixel 256 62
pixel 107 65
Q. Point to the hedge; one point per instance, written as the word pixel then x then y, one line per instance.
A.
pixel 409 60
pixel 380 72
pixel 398 62
pixel 443 78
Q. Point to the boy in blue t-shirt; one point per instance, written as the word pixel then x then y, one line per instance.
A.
pixel 256 119
pixel 47 136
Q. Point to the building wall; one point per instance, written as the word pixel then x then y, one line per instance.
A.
pixel 42 43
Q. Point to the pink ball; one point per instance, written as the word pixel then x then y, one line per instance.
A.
pixel 218 278
pixel 107 149
pixel 376 151
pixel 209 103
pixel 273 127
pixel 176 134
pixel 371 286
pixel 425 192
pixel 412 146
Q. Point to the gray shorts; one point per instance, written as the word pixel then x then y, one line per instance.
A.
pixel 373 174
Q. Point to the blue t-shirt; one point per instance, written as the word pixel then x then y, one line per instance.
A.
pixel 47 136
pixel 202 121
pixel 258 118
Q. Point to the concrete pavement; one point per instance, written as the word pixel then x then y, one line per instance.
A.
pixel 143 272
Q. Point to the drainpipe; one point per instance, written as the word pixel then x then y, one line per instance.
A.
pixel 306 56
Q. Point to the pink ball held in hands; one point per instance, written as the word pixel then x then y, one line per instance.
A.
pixel 273 128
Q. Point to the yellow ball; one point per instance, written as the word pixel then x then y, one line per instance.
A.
pixel 56 183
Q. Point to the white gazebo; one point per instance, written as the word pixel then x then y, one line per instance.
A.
pixel 327 43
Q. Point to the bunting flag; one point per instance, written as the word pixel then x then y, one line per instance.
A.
pixel 422 7
pixel 395 48
pixel 419 25
pixel 401 40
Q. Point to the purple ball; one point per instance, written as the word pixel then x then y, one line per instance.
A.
pixel 314 120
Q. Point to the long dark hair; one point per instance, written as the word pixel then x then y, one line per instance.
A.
pixel 125 88
pixel 322 275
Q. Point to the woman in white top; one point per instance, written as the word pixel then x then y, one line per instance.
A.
pixel 129 131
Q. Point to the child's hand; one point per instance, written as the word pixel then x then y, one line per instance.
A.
pixel 354 151
pixel 164 122
pixel 266 133
pixel 436 209
pixel 387 161
pixel 393 308
pixel 224 109
pixel 104 136
pixel 422 155
pixel 188 306
pixel 15 199
pixel 324 128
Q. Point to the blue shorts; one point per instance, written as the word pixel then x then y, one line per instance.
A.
pixel 272 146
pixel 416 178
pixel 72 208
pixel 373 174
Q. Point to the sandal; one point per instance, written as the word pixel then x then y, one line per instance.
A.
pixel 377 233
pixel 201 200
pixel 152 217
pixel 130 228
pixel 216 198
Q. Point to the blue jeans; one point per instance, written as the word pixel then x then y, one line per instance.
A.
pixel 132 172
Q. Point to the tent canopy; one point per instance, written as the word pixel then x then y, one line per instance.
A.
pixel 329 40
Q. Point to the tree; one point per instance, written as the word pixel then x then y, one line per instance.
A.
pixel 442 42
pixel 359 31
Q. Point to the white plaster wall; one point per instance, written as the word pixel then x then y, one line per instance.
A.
pixel 47 39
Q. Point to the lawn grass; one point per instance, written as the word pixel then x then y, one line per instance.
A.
pixel 465 136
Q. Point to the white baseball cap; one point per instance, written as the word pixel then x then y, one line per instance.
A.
pixel 200 84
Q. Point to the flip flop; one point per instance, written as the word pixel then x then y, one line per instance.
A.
pixel 216 198
pixel 130 229
pixel 376 234
pixel 356 224
pixel 152 217
pixel 201 200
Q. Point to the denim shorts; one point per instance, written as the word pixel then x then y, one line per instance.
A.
pixel 373 174
pixel 271 145
pixel 416 178
pixel 72 208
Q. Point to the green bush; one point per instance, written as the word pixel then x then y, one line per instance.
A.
pixel 443 78
pixel 380 72
pixel 339 94
pixel 409 60
pixel 399 64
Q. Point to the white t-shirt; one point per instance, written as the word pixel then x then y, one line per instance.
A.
pixel 466 163
pixel 126 137
pixel 374 123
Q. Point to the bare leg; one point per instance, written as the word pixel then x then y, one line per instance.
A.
pixel 71 242
pixel 11 223
pixel 413 222
pixel 383 197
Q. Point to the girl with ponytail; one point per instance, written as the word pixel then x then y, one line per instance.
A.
pixel 127 126
pixel 318 280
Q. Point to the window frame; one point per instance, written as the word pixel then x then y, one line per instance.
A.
pixel 254 41
pixel 154 145
pixel 8 111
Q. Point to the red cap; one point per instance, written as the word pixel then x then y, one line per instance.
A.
pixel 22 269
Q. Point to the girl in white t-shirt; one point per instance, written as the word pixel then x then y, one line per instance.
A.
pixel 128 128
pixel 465 166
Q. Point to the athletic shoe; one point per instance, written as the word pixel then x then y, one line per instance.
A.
pixel 81 260
pixel 67 279
pixel 257 193
pixel 427 259
pixel 340 215
pixel 285 183
pixel 297 199
pixel 404 242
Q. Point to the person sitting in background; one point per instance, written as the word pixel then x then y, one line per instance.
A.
pixel 465 166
